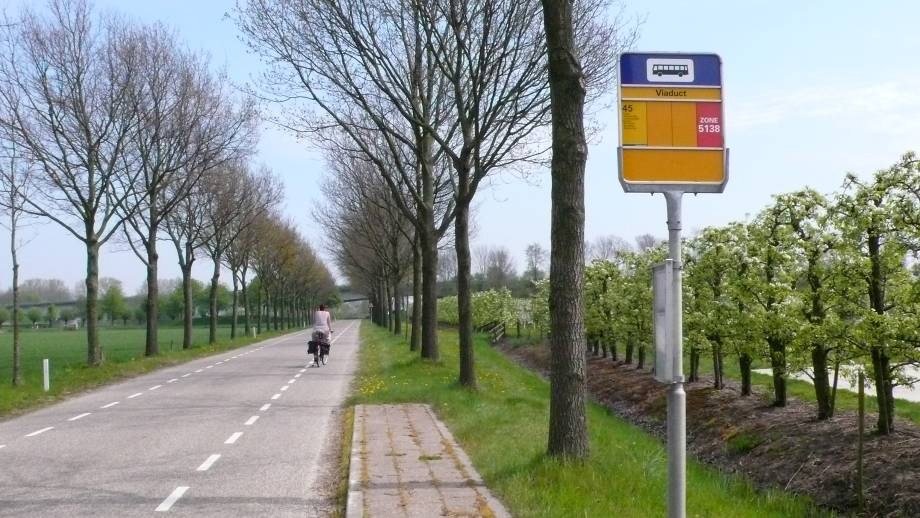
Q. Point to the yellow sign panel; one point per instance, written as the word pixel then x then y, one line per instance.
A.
pixel 673 165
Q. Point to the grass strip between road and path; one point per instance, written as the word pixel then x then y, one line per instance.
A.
pixel 503 427
pixel 124 352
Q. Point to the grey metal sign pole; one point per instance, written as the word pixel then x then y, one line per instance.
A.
pixel 677 398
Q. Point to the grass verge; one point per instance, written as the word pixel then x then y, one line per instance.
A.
pixel 341 490
pixel 503 427
pixel 69 376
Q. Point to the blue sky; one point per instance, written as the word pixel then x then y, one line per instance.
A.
pixel 813 90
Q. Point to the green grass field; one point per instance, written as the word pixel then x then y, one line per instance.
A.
pixel 66 350
pixel 503 427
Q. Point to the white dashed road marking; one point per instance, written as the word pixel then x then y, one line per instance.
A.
pixel 292 380
pixel 186 375
pixel 206 465
pixel 173 380
pixel 110 405
pixel 2 446
pixel 232 439
pixel 265 407
pixel 251 420
pixel 199 370
pixel 276 396
pixel 74 418
pixel 171 499
pixel 132 396
pixel 36 432
pixel 285 388
pixel 209 367
pixel 155 387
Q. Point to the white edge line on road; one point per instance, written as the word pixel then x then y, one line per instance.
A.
pixel 110 405
pixel 171 499
pixel 276 396
pixel 186 375
pixel 74 418
pixel 251 420
pixel 36 432
pixel 206 465
pixel 285 388
pixel 173 380
pixel 132 396
pixel 232 439
pixel 155 387
pixel 265 407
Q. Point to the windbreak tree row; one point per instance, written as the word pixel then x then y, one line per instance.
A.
pixel 116 131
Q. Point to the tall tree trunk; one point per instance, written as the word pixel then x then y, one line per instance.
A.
pixel 247 320
pixel 188 309
pixel 397 308
pixel 152 346
pixel 260 304
pixel 744 362
pixel 464 296
pixel 694 364
pixel 430 295
pixel 415 341
pixel 94 350
pixel 17 345
pixel 718 379
pixel 880 363
pixel 568 427
pixel 778 364
pixel 822 384
pixel 233 312
pixel 212 302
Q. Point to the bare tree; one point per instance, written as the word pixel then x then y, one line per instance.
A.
pixel 236 197
pixel 647 241
pixel 500 271
pixel 15 185
pixel 447 265
pixel 369 72
pixel 66 85
pixel 536 259
pixel 606 248
pixel 493 56
pixel 187 124
pixel 187 228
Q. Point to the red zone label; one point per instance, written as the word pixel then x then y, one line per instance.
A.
pixel 709 125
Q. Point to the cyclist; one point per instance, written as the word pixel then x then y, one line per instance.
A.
pixel 322 333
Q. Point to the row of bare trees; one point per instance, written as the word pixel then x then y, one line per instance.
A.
pixel 416 103
pixel 114 130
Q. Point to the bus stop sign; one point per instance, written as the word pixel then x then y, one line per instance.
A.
pixel 672 132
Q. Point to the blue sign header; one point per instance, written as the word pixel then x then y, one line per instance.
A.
pixel 654 69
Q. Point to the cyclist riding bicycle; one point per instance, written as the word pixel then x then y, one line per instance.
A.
pixel 322 333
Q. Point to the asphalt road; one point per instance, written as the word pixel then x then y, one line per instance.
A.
pixel 237 434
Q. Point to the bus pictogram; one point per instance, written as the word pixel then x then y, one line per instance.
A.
pixel 670 70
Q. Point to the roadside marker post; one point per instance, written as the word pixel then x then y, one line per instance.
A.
pixel 46 375
pixel 672 141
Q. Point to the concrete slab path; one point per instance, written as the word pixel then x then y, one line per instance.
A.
pixel 405 462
